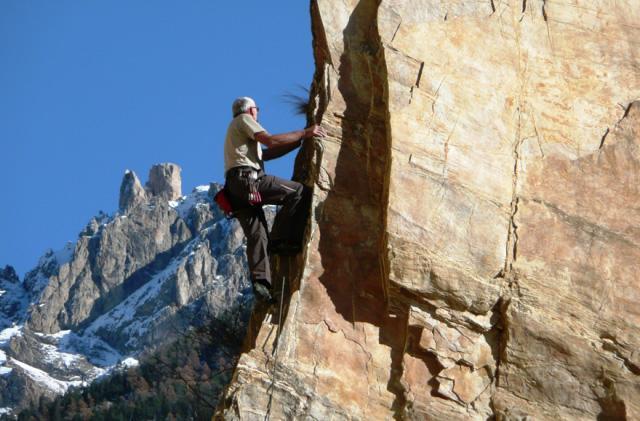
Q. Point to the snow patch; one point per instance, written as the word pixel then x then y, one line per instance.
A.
pixel 8 333
pixel 3 359
pixel 53 355
pixel 42 378
pixel 94 349
pixel 198 197
pixel 129 362
pixel 5 411
pixel 58 335
pixel 71 347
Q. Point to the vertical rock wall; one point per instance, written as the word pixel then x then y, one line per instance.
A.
pixel 474 244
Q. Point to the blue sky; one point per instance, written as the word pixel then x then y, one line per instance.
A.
pixel 89 89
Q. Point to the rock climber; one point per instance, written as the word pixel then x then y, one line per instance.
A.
pixel 248 188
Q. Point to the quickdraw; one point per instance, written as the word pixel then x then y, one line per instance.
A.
pixel 254 195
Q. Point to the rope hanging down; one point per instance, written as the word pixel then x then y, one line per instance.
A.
pixel 275 352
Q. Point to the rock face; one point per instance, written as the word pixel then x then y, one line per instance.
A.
pixel 475 235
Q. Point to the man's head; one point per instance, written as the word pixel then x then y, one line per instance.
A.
pixel 244 104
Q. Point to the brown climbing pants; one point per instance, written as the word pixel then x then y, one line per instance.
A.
pixel 289 224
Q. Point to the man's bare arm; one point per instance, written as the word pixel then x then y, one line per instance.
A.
pixel 290 138
pixel 280 150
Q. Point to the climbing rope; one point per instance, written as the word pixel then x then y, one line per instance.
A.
pixel 275 352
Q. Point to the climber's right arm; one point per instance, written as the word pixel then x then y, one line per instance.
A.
pixel 290 138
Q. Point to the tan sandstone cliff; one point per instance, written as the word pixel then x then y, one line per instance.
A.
pixel 474 243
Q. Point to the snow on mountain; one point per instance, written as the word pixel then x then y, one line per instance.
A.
pixel 129 362
pixel 43 378
pixel 8 333
pixel 3 359
pixel 185 204
pixel 5 336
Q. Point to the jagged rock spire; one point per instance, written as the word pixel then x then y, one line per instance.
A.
pixel 165 181
pixel 131 192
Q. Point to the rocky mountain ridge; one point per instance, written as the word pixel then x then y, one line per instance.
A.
pixel 131 283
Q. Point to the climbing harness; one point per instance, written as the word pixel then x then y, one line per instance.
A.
pixel 254 198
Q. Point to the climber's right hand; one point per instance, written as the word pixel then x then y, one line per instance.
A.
pixel 314 131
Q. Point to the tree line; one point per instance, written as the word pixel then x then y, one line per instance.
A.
pixel 180 381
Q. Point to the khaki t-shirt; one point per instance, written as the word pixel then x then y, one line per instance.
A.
pixel 240 147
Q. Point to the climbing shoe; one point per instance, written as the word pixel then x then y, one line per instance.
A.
pixel 262 291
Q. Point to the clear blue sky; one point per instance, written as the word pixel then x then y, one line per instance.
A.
pixel 89 89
